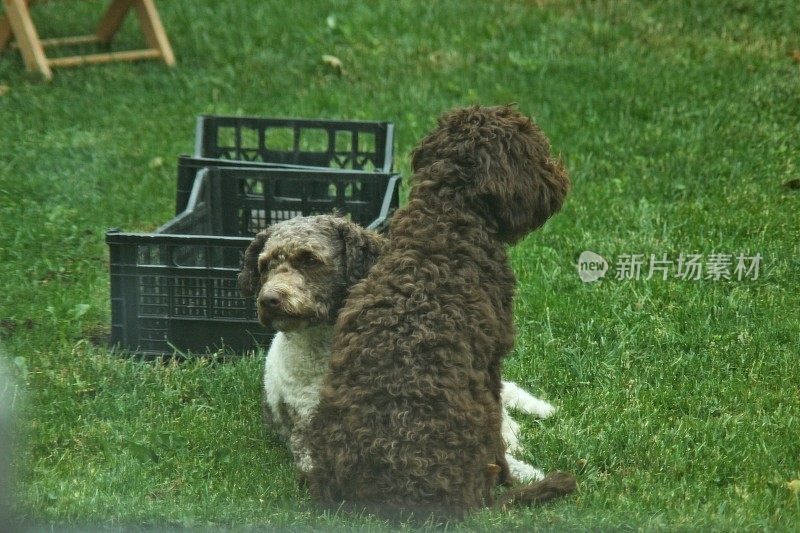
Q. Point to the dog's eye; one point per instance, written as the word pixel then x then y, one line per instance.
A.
pixel 273 263
pixel 308 260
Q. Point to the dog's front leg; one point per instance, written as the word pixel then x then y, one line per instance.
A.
pixel 300 451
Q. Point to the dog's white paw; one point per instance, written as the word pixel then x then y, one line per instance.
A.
pixel 522 471
pixel 515 397
pixel 543 409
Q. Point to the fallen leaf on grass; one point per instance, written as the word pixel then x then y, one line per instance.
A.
pixel 80 309
pixel 794 486
pixel 4 89
pixel 156 162
pixel 334 62
pixel 795 55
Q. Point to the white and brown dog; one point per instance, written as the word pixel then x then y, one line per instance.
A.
pixel 300 271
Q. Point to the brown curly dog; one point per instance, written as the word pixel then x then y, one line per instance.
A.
pixel 410 412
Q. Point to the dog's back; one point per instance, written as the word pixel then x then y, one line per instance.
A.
pixel 410 414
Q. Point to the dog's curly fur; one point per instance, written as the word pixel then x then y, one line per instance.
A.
pixel 305 264
pixel 410 414
pixel 299 271
pixel 322 255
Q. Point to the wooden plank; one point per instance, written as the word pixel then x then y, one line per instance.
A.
pixel 112 20
pixel 128 55
pixel 64 41
pixel 153 29
pixel 27 37
pixel 69 41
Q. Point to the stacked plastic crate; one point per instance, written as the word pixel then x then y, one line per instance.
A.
pixel 174 290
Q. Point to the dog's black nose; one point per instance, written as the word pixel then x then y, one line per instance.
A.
pixel 270 300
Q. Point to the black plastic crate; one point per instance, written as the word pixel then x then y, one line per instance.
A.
pixel 351 144
pixel 188 167
pixel 347 144
pixel 175 289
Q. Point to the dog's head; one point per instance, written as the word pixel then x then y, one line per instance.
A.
pixel 300 270
pixel 494 160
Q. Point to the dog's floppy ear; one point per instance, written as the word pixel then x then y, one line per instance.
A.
pixel 361 249
pixel 542 198
pixel 249 280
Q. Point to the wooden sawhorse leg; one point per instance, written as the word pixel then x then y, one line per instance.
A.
pixel 18 23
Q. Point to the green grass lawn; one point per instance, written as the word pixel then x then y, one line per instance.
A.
pixel 679 123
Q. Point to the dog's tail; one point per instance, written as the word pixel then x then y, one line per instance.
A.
pixel 553 485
